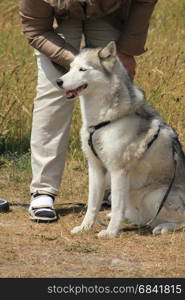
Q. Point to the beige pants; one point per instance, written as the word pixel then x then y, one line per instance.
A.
pixel 52 114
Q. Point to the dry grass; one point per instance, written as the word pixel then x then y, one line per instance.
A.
pixel 41 250
pixel 48 250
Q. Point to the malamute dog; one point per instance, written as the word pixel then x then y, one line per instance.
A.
pixel 124 137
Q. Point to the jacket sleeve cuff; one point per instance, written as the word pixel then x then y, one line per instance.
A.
pixel 55 48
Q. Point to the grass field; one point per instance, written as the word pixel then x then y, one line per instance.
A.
pixel 42 250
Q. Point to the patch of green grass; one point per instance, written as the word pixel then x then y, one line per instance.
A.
pixel 46 237
pixel 16 168
pixel 81 248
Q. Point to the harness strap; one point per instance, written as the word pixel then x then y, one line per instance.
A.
pixel 168 189
pixel 92 130
pixel 154 138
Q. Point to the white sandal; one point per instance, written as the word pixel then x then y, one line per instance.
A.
pixel 41 209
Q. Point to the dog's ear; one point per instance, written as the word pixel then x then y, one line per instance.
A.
pixel 107 56
pixel 108 51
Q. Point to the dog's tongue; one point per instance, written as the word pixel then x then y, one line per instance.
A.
pixel 74 93
pixel 71 93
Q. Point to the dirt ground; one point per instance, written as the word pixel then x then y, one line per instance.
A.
pixel 30 249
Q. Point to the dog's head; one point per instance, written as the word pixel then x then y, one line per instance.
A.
pixel 91 69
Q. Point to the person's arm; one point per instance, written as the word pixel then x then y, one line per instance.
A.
pixel 37 20
pixel 132 40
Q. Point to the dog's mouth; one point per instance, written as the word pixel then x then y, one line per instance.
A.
pixel 70 94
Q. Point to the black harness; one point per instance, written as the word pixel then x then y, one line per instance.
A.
pixel 92 130
pixel 171 181
pixel 168 189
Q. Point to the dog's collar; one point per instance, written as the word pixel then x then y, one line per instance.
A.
pixel 92 130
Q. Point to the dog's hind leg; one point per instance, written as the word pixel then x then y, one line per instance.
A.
pixel 119 193
pixel 96 193
pixel 168 227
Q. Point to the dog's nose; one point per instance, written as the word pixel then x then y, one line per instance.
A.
pixel 59 82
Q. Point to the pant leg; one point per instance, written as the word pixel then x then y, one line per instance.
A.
pixel 51 120
pixel 99 32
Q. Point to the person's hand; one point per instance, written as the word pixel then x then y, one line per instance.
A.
pixel 129 63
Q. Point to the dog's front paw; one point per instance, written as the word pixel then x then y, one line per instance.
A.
pixel 81 228
pixel 107 233
pixel 77 229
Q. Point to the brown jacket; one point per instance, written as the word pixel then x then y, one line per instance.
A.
pixel 38 17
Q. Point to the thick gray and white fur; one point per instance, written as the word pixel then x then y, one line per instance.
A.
pixel 139 174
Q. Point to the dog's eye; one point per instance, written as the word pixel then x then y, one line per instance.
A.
pixel 82 69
